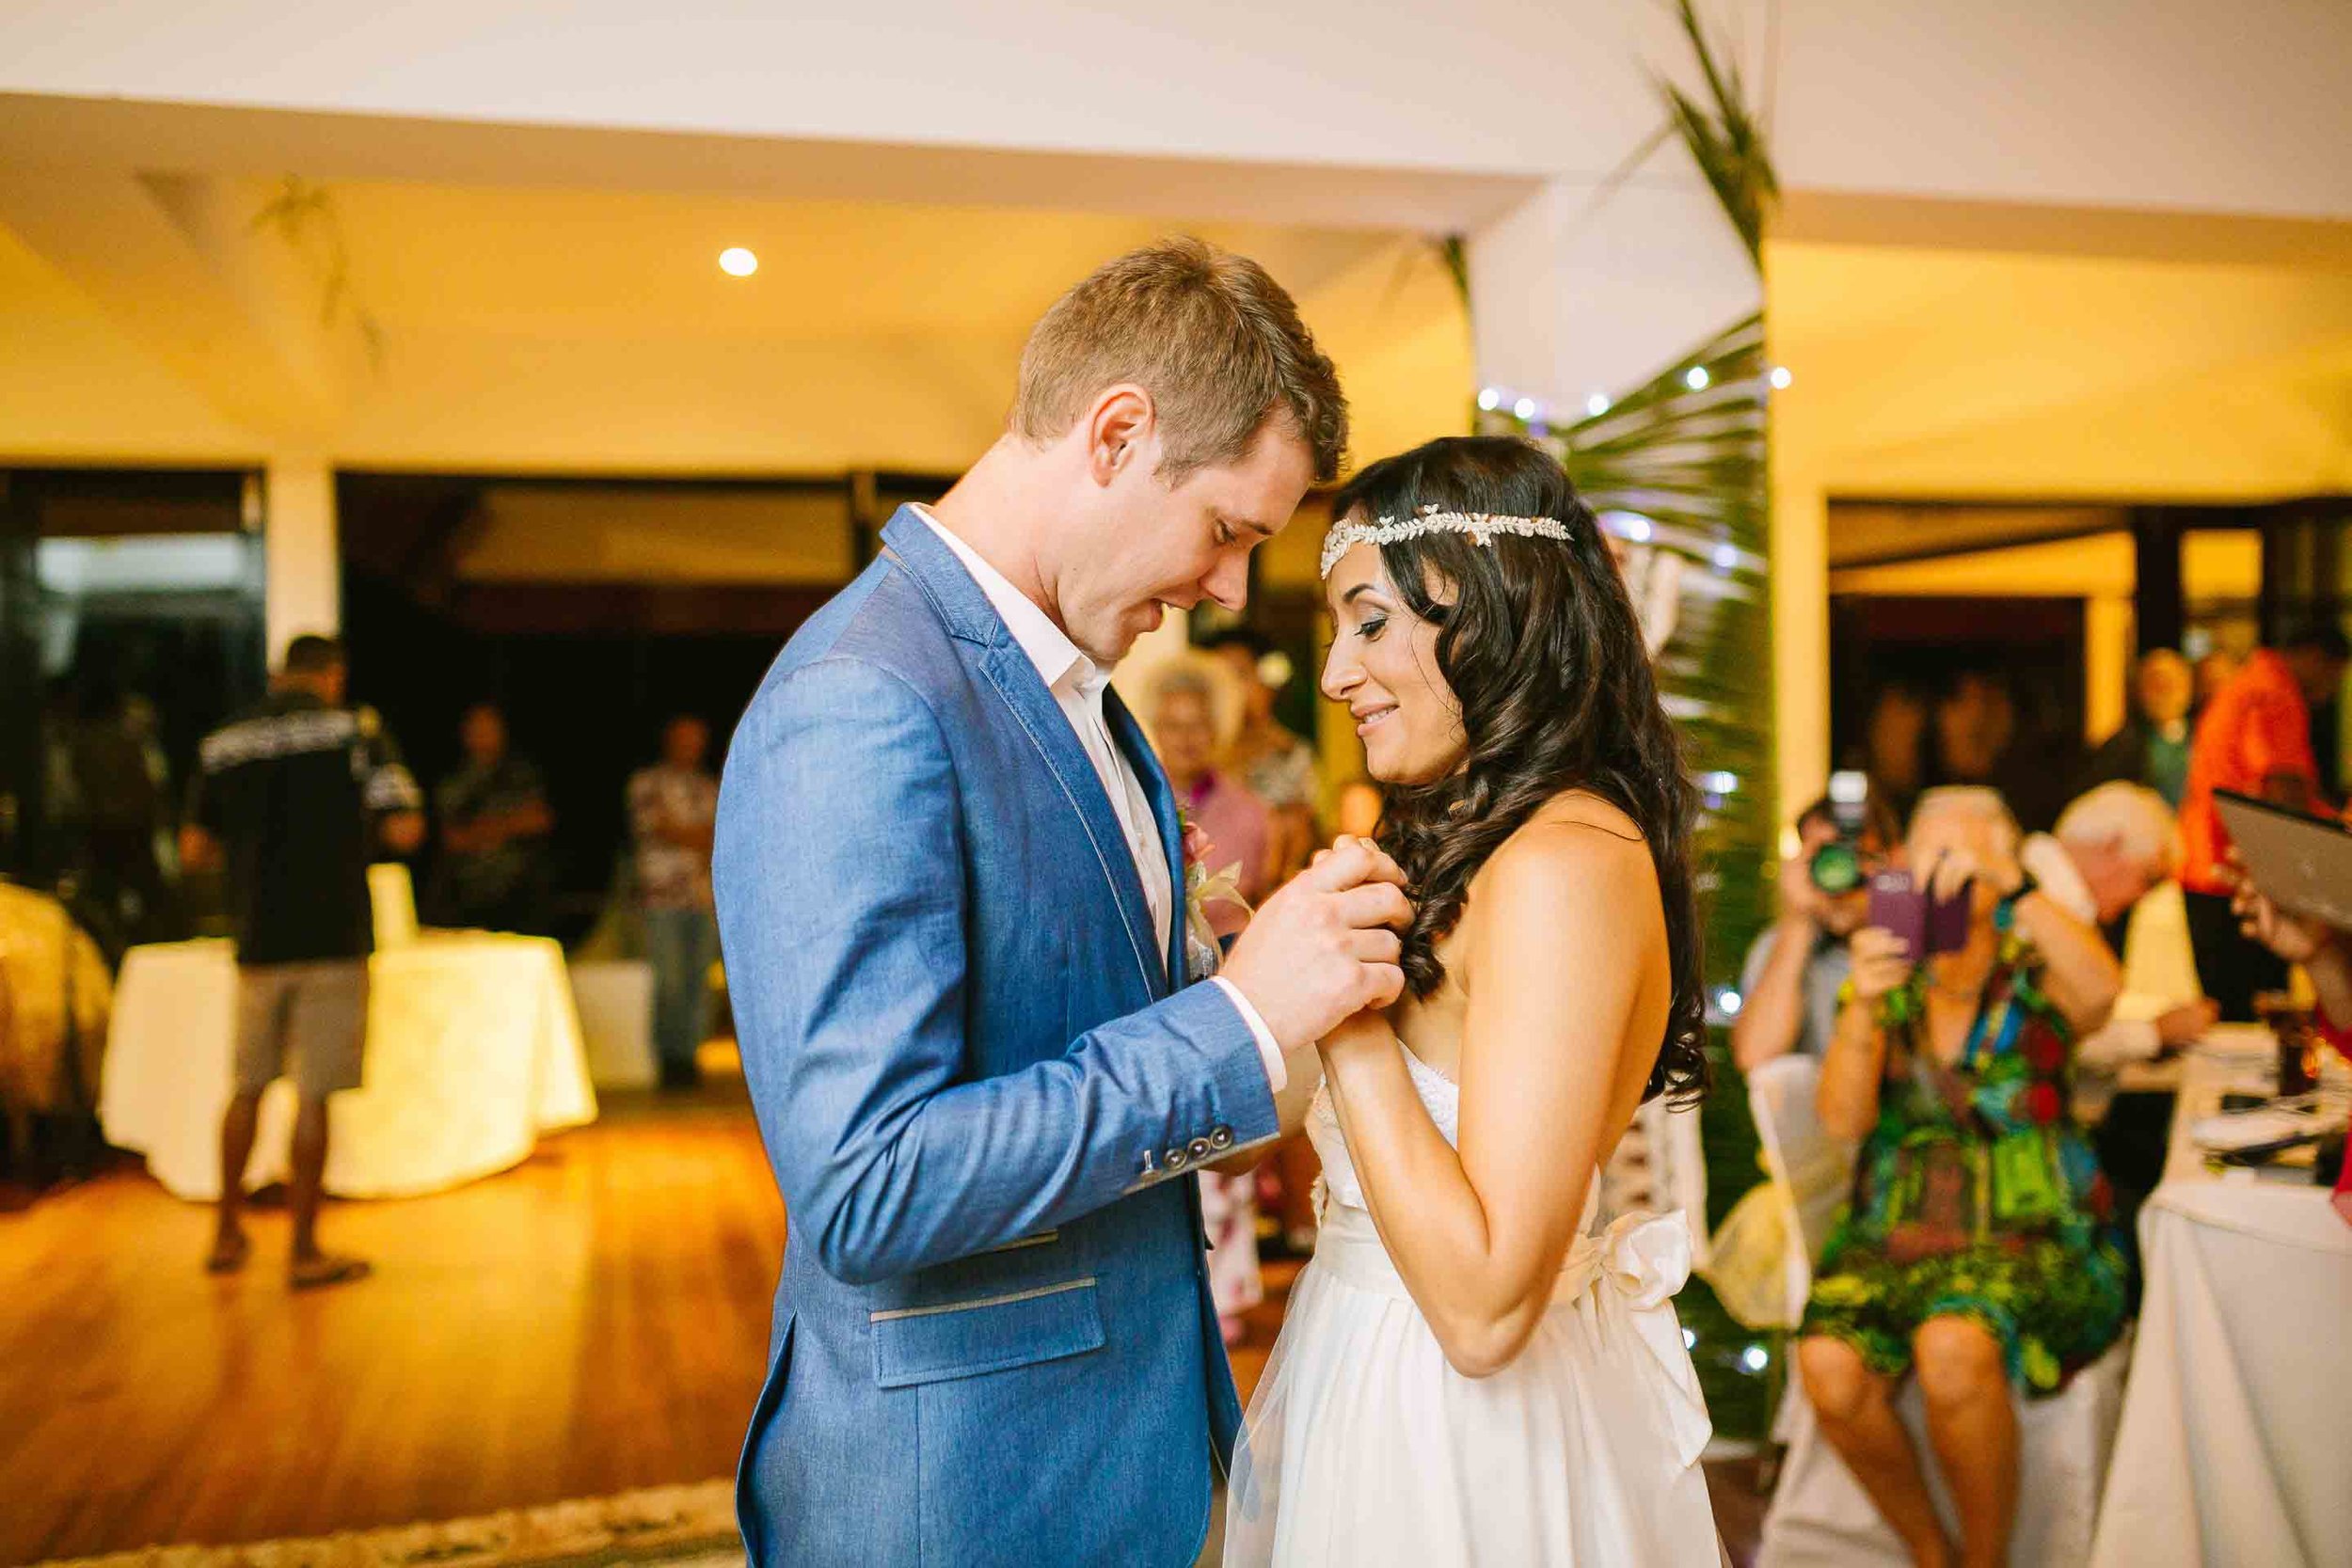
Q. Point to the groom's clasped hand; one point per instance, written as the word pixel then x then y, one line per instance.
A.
pixel 1325 946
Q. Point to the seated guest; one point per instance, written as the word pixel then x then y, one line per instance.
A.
pixel 1185 712
pixel 2325 952
pixel 1277 766
pixel 1976 1250
pixel 495 823
pixel 1796 966
pixel 1187 702
pixel 2117 846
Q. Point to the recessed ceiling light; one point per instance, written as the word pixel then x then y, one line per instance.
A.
pixel 736 261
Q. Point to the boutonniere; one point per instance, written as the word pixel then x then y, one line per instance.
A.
pixel 1203 887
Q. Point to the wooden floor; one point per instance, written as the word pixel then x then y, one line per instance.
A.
pixel 593 1320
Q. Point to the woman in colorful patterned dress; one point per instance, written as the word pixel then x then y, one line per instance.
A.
pixel 1977 1251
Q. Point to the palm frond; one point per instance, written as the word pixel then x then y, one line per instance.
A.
pixel 303 215
pixel 1677 469
pixel 1453 251
pixel 1723 135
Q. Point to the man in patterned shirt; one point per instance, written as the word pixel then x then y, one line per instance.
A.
pixel 672 806
pixel 297 795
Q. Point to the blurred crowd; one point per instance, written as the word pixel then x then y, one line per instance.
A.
pixel 1989 1011
pixel 250 839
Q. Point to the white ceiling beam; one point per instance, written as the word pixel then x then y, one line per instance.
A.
pixel 175 260
pixel 266 142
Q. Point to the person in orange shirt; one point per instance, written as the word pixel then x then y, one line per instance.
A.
pixel 2255 738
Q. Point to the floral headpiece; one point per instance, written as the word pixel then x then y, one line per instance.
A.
pixel 1480 526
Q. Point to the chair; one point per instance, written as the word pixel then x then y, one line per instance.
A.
pixel 615 1002
pixel 1821 1518
pixel 1659 1166
pixel 1809 1166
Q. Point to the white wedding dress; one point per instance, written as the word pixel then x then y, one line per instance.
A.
pixel 1365 1447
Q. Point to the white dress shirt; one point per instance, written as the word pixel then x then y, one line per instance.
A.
pixel 1077 684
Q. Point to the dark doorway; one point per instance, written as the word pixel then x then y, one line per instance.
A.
pixel 587 670
pixel 2017 660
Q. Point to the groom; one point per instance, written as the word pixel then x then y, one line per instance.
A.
pixel 951 896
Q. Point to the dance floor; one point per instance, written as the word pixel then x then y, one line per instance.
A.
pixel 592 1321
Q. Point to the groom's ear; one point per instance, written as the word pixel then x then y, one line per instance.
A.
pixel 1120 428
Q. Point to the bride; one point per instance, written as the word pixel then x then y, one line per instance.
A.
pixel 1469 1374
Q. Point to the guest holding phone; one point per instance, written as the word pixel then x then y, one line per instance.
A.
pixel 2325 952
pixel 1978 1249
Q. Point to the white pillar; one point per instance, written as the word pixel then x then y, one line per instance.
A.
pixel 2107 629
pixel 1800 577
pixel 301 557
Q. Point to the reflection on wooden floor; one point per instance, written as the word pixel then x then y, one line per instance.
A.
pixel 592 1321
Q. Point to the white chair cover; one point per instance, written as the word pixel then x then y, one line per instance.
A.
pixel 1815 1166
pixel 1659 1167
pixel 1821 1518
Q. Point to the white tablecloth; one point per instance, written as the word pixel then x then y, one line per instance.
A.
pixel 2236 1439
pixel 473 1051
pixel 615 1002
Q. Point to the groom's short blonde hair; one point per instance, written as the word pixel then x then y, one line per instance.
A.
pixel 1210 335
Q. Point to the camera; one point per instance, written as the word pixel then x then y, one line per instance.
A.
pixel 1836 866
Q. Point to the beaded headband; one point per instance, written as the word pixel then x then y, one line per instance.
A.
pixel 1480 526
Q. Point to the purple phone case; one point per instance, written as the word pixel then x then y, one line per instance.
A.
pixel 1899 906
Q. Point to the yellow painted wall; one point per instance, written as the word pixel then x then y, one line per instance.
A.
pixel 1947 374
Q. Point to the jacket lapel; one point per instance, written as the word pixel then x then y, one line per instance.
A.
pixel 1156 788
pixel 971 619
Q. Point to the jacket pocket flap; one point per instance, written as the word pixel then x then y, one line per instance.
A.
pixel 964 1338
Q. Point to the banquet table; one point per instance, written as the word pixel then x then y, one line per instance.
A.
pixel 473 1051
pixel 2236 1444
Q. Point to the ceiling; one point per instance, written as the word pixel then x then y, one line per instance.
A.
pixel 1960 375
pixel 529 262
pixel 401 325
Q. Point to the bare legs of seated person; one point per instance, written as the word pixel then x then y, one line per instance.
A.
pixel 1972 1424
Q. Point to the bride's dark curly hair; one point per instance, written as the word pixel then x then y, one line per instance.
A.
pixel 1541 647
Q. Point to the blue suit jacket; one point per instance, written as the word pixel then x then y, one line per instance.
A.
pixel 994 1340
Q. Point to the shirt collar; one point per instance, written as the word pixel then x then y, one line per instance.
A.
pixel 1058 659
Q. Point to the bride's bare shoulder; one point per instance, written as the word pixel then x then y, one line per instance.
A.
pixel 1576 844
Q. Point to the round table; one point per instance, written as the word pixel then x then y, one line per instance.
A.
pixel 473 1051
pixel 2236 1444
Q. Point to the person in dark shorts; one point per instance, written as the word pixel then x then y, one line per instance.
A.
pixel 297 795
